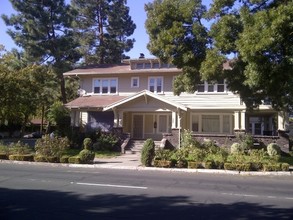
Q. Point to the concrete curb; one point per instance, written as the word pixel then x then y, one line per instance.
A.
pixel 141 168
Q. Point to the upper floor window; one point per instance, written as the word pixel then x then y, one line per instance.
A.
pixel 134 82
pixel 220 86
pixel 201 87
pixel 105 86
pixel 156 84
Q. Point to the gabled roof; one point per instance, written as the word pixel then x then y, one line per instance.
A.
pixel 93 102
pixel 145 93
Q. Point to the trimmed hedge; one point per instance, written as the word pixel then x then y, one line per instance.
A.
pixel 27 157
pixel 74 159
pixel 164 163
pixel 40 158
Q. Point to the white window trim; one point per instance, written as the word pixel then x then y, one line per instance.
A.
pixel 221 122
pixel 132 79
pixel 156 77
pixel 109 86
pixel 215 90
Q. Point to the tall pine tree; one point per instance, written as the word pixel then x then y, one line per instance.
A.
pixel 103 28
pixel 43 30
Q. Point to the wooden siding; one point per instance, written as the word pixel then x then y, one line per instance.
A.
pixel 124 82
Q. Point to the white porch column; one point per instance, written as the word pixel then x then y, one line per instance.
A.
pixel 174 119
pixel 283 121
pixel 243 120
pixel 120 119
pixel 236 120
pixel 116 118
pixel 179 117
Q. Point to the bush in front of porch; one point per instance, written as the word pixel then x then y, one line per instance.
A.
pixel 239 156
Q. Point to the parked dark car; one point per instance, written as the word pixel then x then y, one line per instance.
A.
pixel 36 134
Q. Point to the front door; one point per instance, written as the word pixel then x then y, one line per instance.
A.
pixel 137 126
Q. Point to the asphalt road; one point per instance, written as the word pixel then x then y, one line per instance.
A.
pixel 59 192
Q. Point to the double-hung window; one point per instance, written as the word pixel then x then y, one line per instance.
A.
pixel 156 84
pixel 134 82
pixel 210 87
pixel 105 86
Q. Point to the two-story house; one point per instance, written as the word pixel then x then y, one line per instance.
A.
pixel 137 97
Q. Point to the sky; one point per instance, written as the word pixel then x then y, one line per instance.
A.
pixel 136 12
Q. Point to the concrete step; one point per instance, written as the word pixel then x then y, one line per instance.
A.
pixel 135 146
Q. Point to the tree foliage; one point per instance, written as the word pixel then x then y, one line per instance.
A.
pixel 257 32
pixel 24 88
pixel 177 35
pixel 43 30
pixel 102 28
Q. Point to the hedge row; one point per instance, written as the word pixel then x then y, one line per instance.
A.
pixel 40 158
pixel 226 166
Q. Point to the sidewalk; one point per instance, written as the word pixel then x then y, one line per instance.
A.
pixel 125 161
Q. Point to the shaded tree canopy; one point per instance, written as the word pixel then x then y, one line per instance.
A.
pixel 102 28
pixel 258 33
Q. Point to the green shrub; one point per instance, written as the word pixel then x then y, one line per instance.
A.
pixel 87 144
pixel 53 159
pixel 86 156
pixel 51 147
pixel 164 154
pixel 74 160
pixel 164 163
pixel 23 157
pixel 229 166
pixel 194 165
pixel 19 148
pixel 273 149
pixel 218 164
pixel 285 167
pixel 236 148
pixel 187 140
pixel 180 156
pixel 272 167
pixel 196 154
pixel 256 166
pixel 208 165
pixel 247 142
pixel 40 158
pixel 106 142
pixel 207 143
pixel 4 152
pixel 64 159
pixel 243 167
pixel 148 153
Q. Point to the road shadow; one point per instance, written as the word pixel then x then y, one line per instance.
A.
pixel 42 205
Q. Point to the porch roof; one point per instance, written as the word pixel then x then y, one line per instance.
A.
pixel 93 102
pixel 145 93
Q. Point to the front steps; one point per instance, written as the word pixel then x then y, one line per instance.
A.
pixel 135 146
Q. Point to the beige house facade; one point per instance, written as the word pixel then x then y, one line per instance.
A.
pixel 136 97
